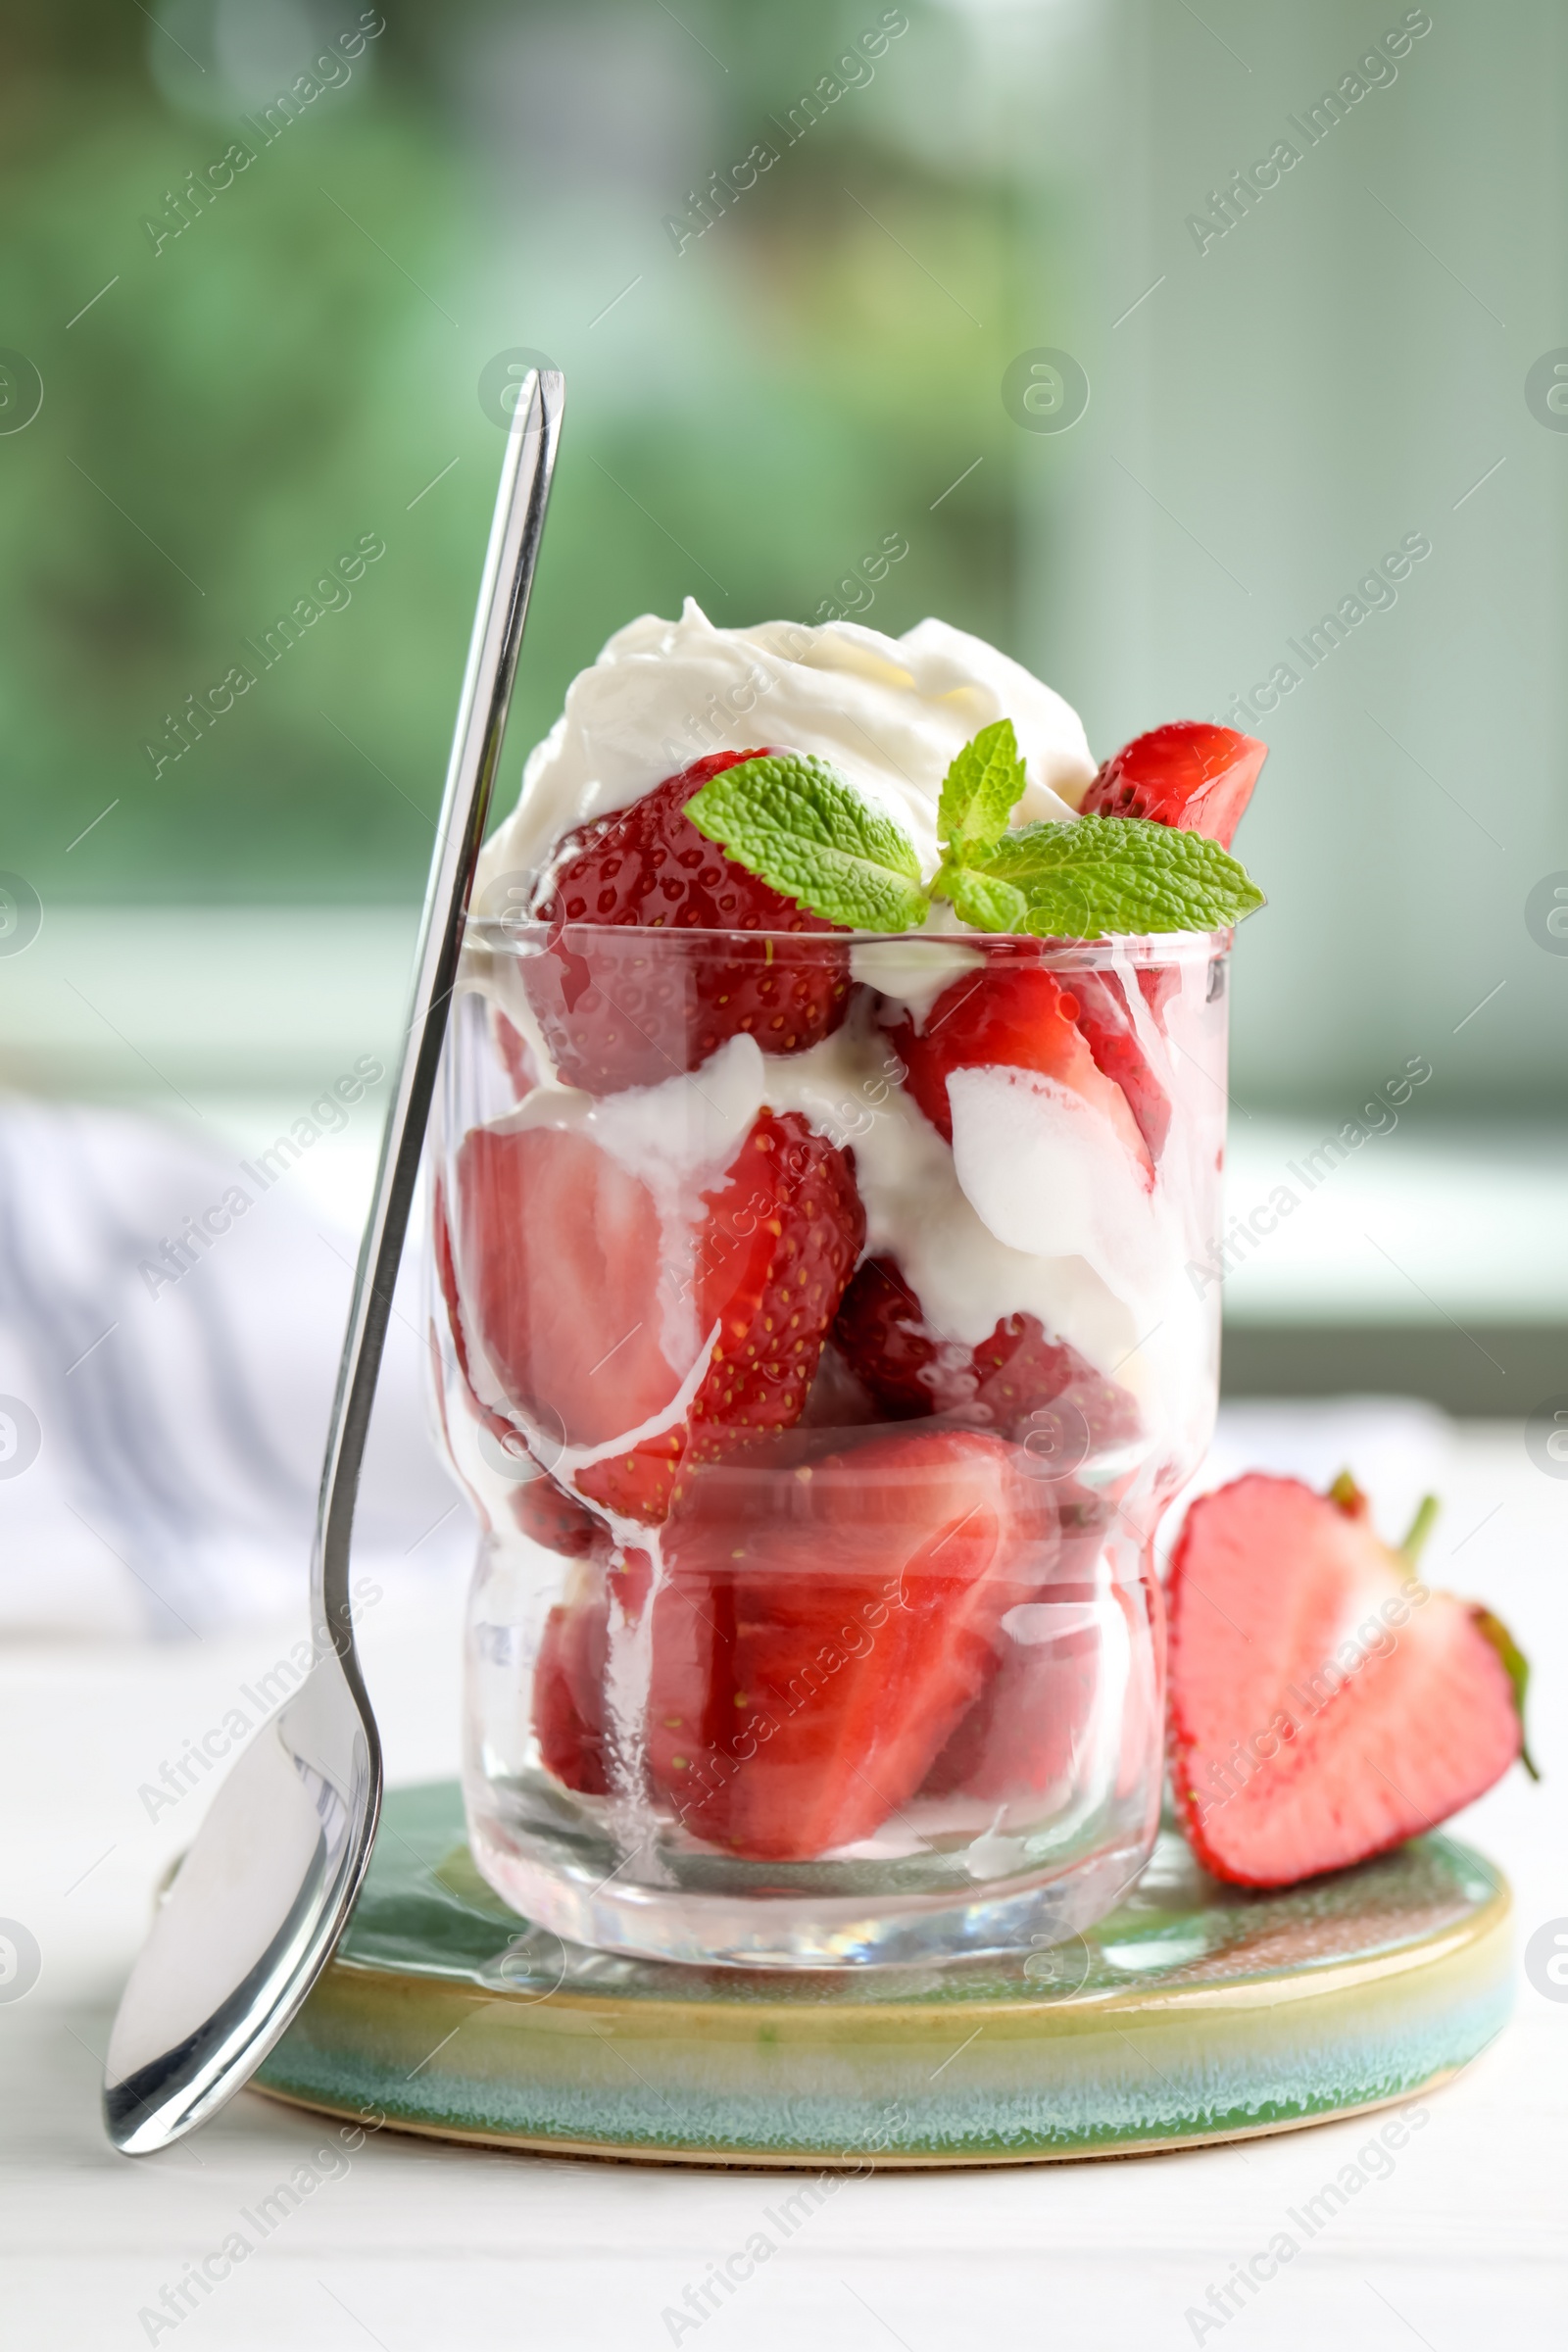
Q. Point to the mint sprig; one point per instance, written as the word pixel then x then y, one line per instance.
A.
pixel 796 824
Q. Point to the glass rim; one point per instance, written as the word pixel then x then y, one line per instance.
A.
pixel 515 932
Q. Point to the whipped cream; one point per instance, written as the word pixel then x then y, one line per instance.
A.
pixel 890 713
pixel 679 1136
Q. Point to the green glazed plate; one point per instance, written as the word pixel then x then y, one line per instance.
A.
pixel 1194 2012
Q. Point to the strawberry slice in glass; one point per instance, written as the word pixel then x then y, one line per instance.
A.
pixel 570 1295
pixel 1017 1016
pixel 819 1634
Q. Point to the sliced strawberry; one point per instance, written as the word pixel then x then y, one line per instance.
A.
pixel 501 1429
pixel 819 1634
pixel 1012 1383
pixel 515 1053
pixel 1158 983
pixel 570 1667
pixel 773 1256
pixel 883 1337
pixel 1010 1015
pixel 619 1017
pixel 1031 1743
pixel 1324 1705
pixel 1113 1039
pixel 542 1509
pixel 569 1689
pixel 1191 776
pixel 1024 1742
pixel 549 1515
pixel 566 1292
pixel 560 1254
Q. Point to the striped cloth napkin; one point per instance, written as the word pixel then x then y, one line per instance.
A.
pixel 169 1329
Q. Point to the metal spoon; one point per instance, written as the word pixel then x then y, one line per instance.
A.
pixel 266 1890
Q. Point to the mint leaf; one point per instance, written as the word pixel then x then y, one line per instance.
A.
pixel 1124 874
pixel 800 827
pixel 979 793
pixel 980 899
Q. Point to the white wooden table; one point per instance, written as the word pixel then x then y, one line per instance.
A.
pixel 1457 2241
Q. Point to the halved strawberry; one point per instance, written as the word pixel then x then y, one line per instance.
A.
pixel 1111 1035
pixel 1039 1736
pixel 549 1515
pixel 819 1634
pixel 1191 776
pixel 542 1508
pixel 569 1686
pixel 561 1249
pixel 504 1432
pixel 515 1053
pixel 1324 1705
pixel 1009 1015
pixel 570 1667
pixel 772 1257
pixel 565 1271
pixel 1023 1743
pixel 617 1016
pixel 1011 1383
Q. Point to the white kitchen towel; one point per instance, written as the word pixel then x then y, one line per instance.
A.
pixel 170 1326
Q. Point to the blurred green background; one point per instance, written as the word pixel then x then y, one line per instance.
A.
pixel 294 367
pixel 1277 399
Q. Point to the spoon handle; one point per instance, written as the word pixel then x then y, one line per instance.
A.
pixel 498 624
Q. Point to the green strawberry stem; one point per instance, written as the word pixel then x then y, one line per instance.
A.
pixel 1516 1666
pixel 1421 1527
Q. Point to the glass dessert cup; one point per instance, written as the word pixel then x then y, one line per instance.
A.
pixel 820 1406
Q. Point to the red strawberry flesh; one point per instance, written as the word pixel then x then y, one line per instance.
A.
pixel 1112 1036
pixel 1191 775
pixel 1011 1017
pixel 1009 1382
pixel 1324 1705
pixel 570 1665
pixel 774 1256
pixel 815 1646
pixel 623 1014
pixel 566 1266
pixel 560 1250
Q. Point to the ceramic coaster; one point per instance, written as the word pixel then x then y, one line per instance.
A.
pixel 1194 2012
